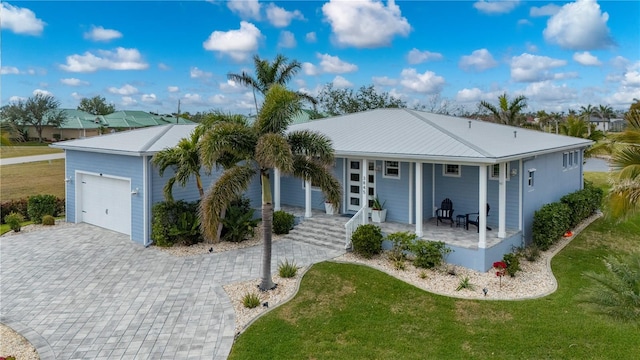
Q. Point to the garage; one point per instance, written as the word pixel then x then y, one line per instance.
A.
pixel 104 201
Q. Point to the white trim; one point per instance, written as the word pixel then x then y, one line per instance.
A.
pixel 502 199
pixel 507 171
pixel 384 169
pixel 146 240
pixel 482 207
pixel 531 179
pixel 276 189
pixel 433 190
pixel 419 199
pixel 307 199
pixel 445 173
pixel 411 193
pixel 520 183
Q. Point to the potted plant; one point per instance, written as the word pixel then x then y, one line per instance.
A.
pixel 378 212
pixel 329 208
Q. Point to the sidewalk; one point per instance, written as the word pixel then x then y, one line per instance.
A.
pixel 28 159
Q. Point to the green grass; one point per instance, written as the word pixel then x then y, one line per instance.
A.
pixel 23 180
pixel 599 179
pixel 28 150
pixel 346 311
pixel 4 228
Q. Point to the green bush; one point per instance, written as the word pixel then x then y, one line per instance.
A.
pixel 186 230
pixel 583 203
pixel 239 224
pixel 48 220
pixel 287 269
pixel 39 206
pixel 14 220
pixel 465 283
pixel 550 223
pixel 513 263
pixel 251 300
pixel 429 254
pixel 165 213
pixel 282 222
pixel 400 244
pixel 367 240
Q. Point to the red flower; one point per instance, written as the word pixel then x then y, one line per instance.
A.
pixel 499 265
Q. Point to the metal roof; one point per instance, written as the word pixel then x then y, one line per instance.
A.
pixel 411 134
pixel 139 142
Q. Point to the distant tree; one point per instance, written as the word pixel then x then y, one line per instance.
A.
pixel 605 112
pixel 438 105
pixel 507 112
pixel 37 111
pixel 624 196
pixel 335 102
pixel 96 105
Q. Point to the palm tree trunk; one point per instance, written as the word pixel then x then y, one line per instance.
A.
pixel 267 227
pixel 199 185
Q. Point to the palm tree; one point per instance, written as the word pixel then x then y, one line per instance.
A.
pixel 249 150
pixel 184 159
pixel 624 196
pixel 280 71
pixel 575 127
pixel 507 112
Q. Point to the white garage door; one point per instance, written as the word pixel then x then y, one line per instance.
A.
pixel 105 202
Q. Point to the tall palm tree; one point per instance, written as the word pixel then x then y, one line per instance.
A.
pixel 624 196
pixel 605 112
pixel 574 126
pixel 507 112
pixel 249 150
pixel 184 159
pixel 279 71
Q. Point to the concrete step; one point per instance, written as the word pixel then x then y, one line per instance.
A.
pixel 321 231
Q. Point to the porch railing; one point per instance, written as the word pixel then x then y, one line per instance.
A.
pixel 353 223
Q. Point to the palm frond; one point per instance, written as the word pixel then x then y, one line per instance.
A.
pixel 229 141
pixel 312 144
pixel 231 183
pixel 273 151
pixel 278 109
pixel 306 168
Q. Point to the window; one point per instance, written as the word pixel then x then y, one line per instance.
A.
pixel 531 178
pixel 575 158
pixel 565 160
pixel 314 185
pixel 494 172
pixel 392 169
pixel 451 170
pixel 570 160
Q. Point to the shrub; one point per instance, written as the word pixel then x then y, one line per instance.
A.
pixel 14 220
pixel 513 263
pixel 550 223
pixel 367 240
pixel 18 206
pixel 429 254
pixel 531 252
pixel 251 300
pixel 169 212
pixel 287 269
pixel 282 222
pixel 41 205
pixel 400 244
pixel 48 220
pixel 239 224
pixel 465 283
pixel 186 230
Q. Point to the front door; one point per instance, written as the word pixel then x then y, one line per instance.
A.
pixel 355 185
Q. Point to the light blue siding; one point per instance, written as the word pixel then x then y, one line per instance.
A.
pixel 292 190
pixel 187 193
pixel 394 192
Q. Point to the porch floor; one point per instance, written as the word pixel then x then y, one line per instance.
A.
pixel 456 236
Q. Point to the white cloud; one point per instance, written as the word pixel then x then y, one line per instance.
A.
pixel 495 7
pixel 547 10
pixel 238 44
pixel 247 9
pixel 479 60
pixel 120 59
pixel 231 87
pixel 579 26
pixel 124 90
pixel 566 75
pixel 15 99
pixel 280 17
pixel 218 99
pixel 76 96
pixel 469 95
pixel 311 37
pixel 333 65
pixel 310 69
pixel 99 33
pixel 163 66
pixel 173 89
pixel 531 47
pixel 631 78
pixel 20 20
pixel 128 101
pixel 547 92
pixel 428 82
pixel 416 56
pixel 365 24
pixel 384 81
pixel 523 22
pixel 149 98
pixel 586 59
pixel 533 68
pixel 42 92
pixel 620 62
pixel 74 82
pixel 341 83
pixel 9 70
pixel 624 97
pixel 196 73
pixel 192 99
pixel 287 40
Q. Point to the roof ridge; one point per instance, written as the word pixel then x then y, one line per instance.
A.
pixel 152 141
pixel 452 135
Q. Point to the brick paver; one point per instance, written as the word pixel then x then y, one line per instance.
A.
pixel 83 292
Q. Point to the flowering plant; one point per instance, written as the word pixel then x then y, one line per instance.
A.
pixel 501 267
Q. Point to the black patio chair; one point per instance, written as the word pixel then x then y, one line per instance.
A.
pixel 445 212
pixel 474 219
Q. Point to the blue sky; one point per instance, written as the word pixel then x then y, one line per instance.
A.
pixel 147 55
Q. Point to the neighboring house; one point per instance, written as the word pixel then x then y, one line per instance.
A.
pixel 601 124
pixel 410 159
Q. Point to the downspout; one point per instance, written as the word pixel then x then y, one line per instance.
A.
pixel 145 200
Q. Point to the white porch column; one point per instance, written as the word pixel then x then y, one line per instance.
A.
pixel 482 206
pixel 307 198
pixel 364 172
pixel 419 199
pixel 276 189
pixel 411 193
pixel 502 201
pixel 433 190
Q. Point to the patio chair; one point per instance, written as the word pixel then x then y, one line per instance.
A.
pixel 474 219
pixel 445 212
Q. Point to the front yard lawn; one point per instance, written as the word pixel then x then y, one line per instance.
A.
pixel 17 151
pixel 345 311
pixel 23 180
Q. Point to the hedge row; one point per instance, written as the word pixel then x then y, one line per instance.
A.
pixel 553 220
pixel 21 206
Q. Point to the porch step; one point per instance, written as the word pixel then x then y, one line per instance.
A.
pixel 324 231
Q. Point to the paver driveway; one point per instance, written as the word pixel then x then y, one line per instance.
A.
pixel 82 292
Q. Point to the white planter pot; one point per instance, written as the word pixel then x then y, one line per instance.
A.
pixel 379 216
pixel 328 207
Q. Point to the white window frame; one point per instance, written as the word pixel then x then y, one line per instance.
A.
pixel 313 188
pixel 496 175
pixel 531 178
pixel 565 160
pixel 445 173
pixel 387 167
pixel 576 159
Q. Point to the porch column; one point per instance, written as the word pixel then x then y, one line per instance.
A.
pixel 411 193
pixel 276 189
pixel 307 198
pixel 419 199
pixel 482 206
pixel 502 201
pixel 364 172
